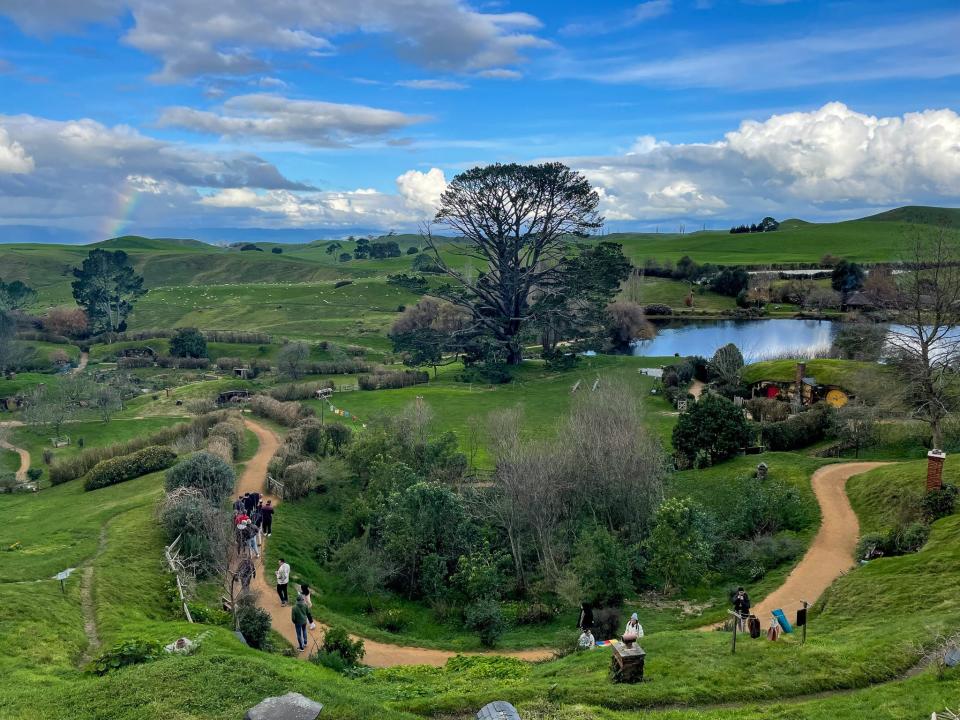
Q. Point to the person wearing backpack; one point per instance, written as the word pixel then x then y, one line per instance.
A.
pixel 283 577
pixel 299 616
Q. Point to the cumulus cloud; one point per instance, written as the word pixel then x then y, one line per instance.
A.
pixel 799 163
pixel 422 190
pixel 13 158
pixel 202 37
pixel 272 117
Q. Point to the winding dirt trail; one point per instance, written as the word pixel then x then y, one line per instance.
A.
pixel 84 359
pixel 831 552
pixel 696 388
pixel 377 654
pixel 24 460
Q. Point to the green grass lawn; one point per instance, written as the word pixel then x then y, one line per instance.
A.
pixel 95 433
pixel 826 371
pixel 9 461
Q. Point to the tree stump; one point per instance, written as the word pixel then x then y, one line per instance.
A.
pixel 626 665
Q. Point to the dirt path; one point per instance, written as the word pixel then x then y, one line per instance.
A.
pixel 377 654
pixel 831 553
pixel 84 359
pixel 24 460
pixel 87 606
pixel 696 388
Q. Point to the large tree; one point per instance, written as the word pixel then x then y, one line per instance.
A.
pixel 16 295
pixel 926 338
pixel 106 287
pixel 517 220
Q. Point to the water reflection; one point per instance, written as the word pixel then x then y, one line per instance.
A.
pixel 757 339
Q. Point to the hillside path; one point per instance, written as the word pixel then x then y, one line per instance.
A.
pixel 830 554
pixel 84 359
pixel 24 460
pixel 696 388
pixel 377 654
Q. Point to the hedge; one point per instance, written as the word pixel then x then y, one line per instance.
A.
pixel 127 467
pixel 285 413
pixel 392 379
pixel 799 431
pixel 128 363
pixel 299 391
pixel 348 366
pixel 183 363
pixel 81 463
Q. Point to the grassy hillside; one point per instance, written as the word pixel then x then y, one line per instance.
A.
pixel 827 371
pixel 920 214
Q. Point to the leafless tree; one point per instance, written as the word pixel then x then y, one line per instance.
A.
pixel 292 358
pixel 54 403
pixel 614 466
pixel 926 338
pixel 821 298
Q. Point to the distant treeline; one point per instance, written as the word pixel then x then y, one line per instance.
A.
pixel 768 224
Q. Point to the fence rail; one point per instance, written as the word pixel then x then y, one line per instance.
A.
pixel 176 566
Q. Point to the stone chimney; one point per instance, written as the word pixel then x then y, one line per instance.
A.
pixel 935 460
pixel 801 373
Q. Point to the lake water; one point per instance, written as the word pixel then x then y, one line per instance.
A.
pixel 757 339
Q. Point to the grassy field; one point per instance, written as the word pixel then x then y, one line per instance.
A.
pixel 826 371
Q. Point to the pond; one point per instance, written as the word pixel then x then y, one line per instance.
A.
pixel 757 339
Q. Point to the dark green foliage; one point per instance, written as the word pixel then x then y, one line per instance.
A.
pixel 425 531
pixel 247 247
pixel 713 427
pixel 413 250
pixel 381 250
pixel 847 277
pixel 799 431
pixel 126 467
pixel 16 295
pixel 479 575
pixel 342 283
pixel 128 652
pixel 900 540
pixel 486 619
pixel 425 263
pixel 601 563
pixel 276 250
pixel 106 288
pixel 345 257
pixel 392 620
pixel 859 341
pixel 208 473
pixel 336 641
pixel 654 309
pixel 751 558
pixel 730 281
pixel 413 283
pixel 203 530
pixel 34 474
pixel 678 549
pixel 937 504
pixel 188 343
pixel 254 623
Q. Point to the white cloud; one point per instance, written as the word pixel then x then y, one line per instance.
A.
pixel 500 74
pixel 422 190
pixel 637 15
pixel 13 158
pixel 205 37
pixel 925 47
pixel 431 84
pixel 276 118
pixel 800 163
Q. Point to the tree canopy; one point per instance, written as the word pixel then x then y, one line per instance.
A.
pixel 106 287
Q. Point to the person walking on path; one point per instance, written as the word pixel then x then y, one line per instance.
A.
pixel 246 571
pixel 283 577
pixel 299 614
pixel 741 606
pixel 308 601
pixel 266 518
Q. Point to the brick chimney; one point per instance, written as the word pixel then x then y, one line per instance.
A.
pixel 801 373
pixel 935 460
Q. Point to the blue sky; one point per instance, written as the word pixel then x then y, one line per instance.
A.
pixel 335 115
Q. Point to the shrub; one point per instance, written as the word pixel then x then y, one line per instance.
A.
pixel 210 616
pixel 657 309
pixel 254 623
pixel 798 431
pixel 337 642
pixel 206 472
pixel 221 447
pixel 937 504
pixel 201 406
pixel 768 409
pixel 603 566
pixel 238 337
pixel 129 363
pixel 183 363
pixel 298 391
pixel 81 463
pixel 752 558
pixel 233 432
pixel 299 479
pixel 128 652
pixel 188 343
pixel 346 366
pixel 276 250
pixel 713 426
pixel 392 379
pixel 392 619
pixel 342 283
pixel 126 467
pixel 228 363
pixel 204 530
pixel 285 413
pixel 485 618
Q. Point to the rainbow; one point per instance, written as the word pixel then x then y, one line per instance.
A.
pixel 118 222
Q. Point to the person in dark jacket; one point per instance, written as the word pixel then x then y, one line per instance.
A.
pixel 586 617
pixel 299 616
pixel 741 603
pixel 266 518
